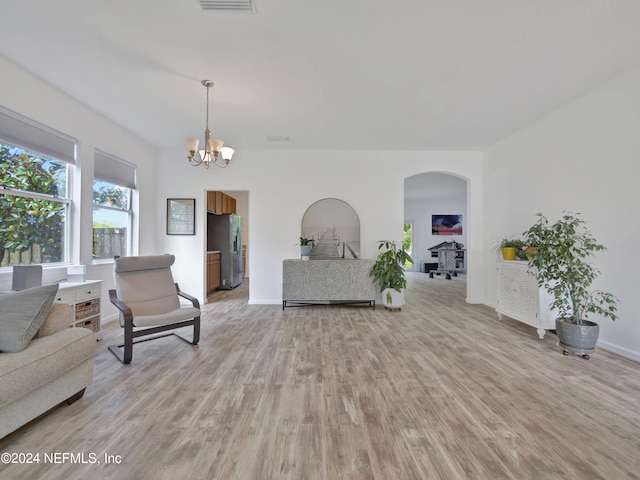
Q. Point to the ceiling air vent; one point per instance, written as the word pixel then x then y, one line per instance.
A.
pixel 228 5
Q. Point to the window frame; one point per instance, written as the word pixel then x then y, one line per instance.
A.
pixel 130 216
pixel 66 201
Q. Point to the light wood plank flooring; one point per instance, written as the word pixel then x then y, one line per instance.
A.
pixel 439 390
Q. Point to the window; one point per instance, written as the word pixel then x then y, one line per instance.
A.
pixel 33 207
pixel 114 180
pixel 111 220
pixel 407 241
pixel 34 198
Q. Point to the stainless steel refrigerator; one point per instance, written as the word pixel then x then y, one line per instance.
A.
pixel 224 233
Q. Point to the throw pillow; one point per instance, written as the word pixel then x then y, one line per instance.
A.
pixel 21 314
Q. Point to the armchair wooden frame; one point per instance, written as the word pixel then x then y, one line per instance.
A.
pixel 124 352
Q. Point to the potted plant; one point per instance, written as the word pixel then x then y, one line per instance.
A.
pixel 388 272
pixel 509 247
pixel 306 244
pixel 560 263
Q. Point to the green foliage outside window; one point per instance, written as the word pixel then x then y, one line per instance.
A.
pixel 109 194
pixel 32 225
pixel 111 220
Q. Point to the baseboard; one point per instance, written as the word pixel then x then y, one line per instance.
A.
pixel 264 302
pixel 617 349
pixel 476 301
pixel 485 303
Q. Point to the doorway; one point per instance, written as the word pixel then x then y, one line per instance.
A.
pixel 429 196
pixel 237 202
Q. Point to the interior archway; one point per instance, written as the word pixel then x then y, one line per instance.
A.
pixel 426 196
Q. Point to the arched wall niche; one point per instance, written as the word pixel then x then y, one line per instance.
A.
pixel 334 226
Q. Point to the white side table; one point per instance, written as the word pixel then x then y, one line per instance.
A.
pixel 84 297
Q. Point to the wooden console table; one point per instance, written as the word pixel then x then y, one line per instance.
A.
pixel 318 282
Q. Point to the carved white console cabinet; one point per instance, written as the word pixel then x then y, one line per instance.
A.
pixel 520 298
pixel 340 281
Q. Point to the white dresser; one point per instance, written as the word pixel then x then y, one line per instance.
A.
pixel 84 297
pixel 520 298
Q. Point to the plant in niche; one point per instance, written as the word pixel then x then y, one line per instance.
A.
pixel 562 268
pixel 305 241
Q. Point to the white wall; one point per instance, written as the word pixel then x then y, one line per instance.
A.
pixel 32 97
pixel 582 158
pixel 283 183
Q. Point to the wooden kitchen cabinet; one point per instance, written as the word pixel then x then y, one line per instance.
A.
pixel 213 271
pixel 219 203
pixel 211 201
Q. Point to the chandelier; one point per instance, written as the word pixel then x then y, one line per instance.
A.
pixel 213 149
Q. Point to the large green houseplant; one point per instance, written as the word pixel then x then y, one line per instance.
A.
pixel 561 265
pixel 388 272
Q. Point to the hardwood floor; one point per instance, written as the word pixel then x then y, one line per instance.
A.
pixel 439 390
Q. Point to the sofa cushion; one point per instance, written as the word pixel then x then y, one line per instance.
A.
pixel 60 317
pixel 43 360
pixel 22 314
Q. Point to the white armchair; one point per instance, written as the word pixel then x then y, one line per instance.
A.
pixel 149 303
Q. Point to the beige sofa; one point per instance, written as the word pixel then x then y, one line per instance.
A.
pixel 55 366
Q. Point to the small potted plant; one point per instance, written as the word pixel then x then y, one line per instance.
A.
pixel 388 272
pixel 306 244
pixel 509 247
pixel 561 265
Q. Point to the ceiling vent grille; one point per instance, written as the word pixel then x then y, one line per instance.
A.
pixel 228 5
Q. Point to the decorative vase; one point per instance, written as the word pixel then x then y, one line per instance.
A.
pixel 305 250
pixel 392 299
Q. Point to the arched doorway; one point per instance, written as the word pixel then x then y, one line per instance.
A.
pixel 436 207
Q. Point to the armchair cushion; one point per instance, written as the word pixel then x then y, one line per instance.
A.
pixel 146 286
pixel 22 315
pixel 173 316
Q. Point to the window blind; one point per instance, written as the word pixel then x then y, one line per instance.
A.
pixel 112 169
pixel 31 135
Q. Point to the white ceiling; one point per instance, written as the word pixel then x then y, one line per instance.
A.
pixel 348 74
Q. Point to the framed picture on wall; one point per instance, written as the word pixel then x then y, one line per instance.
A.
pixel 446 224
pixel 181 216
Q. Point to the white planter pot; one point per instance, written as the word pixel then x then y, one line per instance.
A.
pixel 397 298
